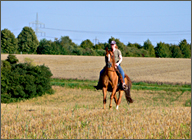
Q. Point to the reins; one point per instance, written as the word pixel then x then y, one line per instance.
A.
pixel 112 70
pixel 112 56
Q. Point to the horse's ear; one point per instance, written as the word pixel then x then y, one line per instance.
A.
pixel 106 49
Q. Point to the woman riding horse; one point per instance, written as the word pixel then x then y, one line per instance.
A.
pixel 109 81
pixel 118 60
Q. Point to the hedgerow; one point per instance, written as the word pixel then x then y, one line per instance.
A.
pixel 23 80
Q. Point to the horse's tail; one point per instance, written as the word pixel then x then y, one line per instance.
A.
pixel 127 92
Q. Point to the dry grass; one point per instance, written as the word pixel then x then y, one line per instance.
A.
pixel 76 113
pixel 159 70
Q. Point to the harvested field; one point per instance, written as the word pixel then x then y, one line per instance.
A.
pixel 151 70
pixel 78 114
pixel 74 113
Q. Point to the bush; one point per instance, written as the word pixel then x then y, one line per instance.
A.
pixel 12 59
pixel 24 81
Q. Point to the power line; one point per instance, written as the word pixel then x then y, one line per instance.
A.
pixel 127 33
pixel 123 41
pixel 117 16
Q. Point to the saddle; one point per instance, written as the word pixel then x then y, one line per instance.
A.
pixel 119 85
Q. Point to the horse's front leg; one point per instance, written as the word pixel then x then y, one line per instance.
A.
pixel 119 100
pixel 113 95
pixel 104 96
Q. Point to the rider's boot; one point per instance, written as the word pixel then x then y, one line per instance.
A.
pixel 99 84
pixel 124 86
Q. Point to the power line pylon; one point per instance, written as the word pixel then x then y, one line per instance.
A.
pixel 96 40
pixel 37 25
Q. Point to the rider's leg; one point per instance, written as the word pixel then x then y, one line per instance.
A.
pixel 123 76
pixel 99 82
pixel 121 72
pixel 101 72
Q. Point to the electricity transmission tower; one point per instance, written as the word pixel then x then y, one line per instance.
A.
pixel 37 25
pixel 96 41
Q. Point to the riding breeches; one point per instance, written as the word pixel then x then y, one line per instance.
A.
pixel 122 72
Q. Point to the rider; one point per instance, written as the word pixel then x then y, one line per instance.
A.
pixel 118 60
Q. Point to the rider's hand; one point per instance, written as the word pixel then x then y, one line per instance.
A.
pixel 116 64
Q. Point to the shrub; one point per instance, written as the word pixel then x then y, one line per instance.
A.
pixel 12 59
pixel 24 81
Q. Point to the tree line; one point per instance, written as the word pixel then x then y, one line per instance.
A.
pixel 27 43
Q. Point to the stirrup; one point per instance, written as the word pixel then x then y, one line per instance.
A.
pixel 125 87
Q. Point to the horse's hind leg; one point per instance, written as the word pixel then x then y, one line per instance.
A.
pixel 115 98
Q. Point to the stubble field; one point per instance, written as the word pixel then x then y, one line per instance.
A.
pixel 77 113
pixel 159 70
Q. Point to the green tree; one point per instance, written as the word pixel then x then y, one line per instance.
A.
pixel 185 48
pixel 78 51
pixel 65 40
pixel 149 47
pixel 89 52
pixel 136 45
pixel 176 52
pixel 99 46
pixel 100 52
pixel 27 41
pixel 8 42
pixel 162 50
pixel 135 52
pixel 66 44
pixel 87 44
pixel 106 45
pixel 44 47
pixel 57 49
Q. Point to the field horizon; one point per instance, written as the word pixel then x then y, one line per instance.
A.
pixel 139 69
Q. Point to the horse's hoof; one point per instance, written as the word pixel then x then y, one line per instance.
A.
pixel 117 107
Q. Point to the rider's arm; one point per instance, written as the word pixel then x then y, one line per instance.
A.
pixel 120 60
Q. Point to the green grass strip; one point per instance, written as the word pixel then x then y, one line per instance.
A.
pixel 89 84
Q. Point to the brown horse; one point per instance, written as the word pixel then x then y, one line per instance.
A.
pixel 110 82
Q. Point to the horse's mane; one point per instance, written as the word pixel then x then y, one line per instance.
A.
pixel 112 56
pixel 113 59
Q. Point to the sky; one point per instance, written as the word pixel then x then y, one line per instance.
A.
pixel 128 21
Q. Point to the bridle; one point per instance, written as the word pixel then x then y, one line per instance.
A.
pixel 108 63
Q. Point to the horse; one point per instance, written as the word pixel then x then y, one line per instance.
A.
pixel 110 82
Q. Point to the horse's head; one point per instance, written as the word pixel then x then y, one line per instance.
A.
pixel 109 58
